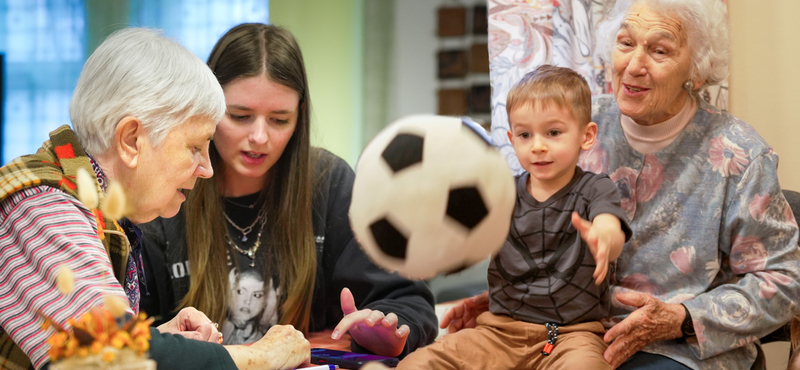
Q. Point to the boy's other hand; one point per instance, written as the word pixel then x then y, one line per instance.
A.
pixel 464 314
pixel 605 239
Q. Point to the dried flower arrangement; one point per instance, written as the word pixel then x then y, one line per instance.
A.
pixel 105 337
pixel 98 338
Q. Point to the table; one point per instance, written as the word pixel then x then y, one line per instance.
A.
pixel 323 339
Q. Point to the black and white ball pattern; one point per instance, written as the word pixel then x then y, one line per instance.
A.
pixel 431 196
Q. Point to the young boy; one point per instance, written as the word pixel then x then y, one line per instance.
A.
pixel 548 287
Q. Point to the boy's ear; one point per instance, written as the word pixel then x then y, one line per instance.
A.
pixel 510 136
pixel 589 136
pixel 128 139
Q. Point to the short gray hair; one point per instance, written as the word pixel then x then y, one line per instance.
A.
pixel 706 25
pixel 139 72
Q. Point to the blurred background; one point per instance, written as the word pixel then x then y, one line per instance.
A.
pixel 353 73
pixel 369 61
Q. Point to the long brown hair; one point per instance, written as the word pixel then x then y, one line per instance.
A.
pixel 248 50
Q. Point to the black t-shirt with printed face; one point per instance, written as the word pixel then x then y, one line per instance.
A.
pixel 543 272
pixel 254 289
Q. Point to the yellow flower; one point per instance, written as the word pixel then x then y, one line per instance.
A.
pixel 120 339
pixel 141 344
pixel 53 352
pixel 58 339
pixel 108 356
pixel 83 352
pixel 96 347
pixel 70 346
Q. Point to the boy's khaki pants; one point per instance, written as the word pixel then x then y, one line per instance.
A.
pixel 500 342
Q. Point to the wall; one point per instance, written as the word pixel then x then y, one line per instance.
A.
pixel 764 79
pixel 414 70
pixel 329 34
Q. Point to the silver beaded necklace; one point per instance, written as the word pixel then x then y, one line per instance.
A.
pixel 251 252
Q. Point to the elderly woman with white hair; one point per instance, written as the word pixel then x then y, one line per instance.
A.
pixel 143 112
pixel 713 263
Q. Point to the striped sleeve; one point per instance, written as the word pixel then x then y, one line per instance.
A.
pixel 42 228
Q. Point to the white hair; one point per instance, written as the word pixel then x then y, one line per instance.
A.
pixel 706 26
pixel 139 72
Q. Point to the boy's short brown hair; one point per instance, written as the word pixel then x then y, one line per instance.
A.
pixel 549 84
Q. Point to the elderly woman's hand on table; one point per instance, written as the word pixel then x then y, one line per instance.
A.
pixel 192 324
pixel 373 330
pixel 283 347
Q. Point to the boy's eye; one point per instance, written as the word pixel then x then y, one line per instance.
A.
pixel 524 135
pixel 554 132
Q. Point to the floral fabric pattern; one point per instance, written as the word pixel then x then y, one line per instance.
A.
pixel 709 204
pixel 726 157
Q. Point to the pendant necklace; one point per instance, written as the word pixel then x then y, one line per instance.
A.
pixel 251 252
pixel 248 229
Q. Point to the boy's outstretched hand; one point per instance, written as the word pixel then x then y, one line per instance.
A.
pixel 371 329
pixel 605 239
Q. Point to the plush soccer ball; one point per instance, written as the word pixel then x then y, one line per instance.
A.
pixel 431 196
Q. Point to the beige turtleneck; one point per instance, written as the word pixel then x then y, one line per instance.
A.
pixel 652 138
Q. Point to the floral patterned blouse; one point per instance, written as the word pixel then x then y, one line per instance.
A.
pixel 711 230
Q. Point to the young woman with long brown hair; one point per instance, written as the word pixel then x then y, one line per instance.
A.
pixel 279 207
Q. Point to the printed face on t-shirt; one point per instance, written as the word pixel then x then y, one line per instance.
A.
pixel 249 298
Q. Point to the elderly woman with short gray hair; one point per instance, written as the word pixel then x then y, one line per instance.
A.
pixel 713 263
pixel 143 114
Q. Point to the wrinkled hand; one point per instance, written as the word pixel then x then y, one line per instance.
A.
pixel 652 321
pixel 605 239
pixel 192 324
pixel 463 315
pixel 371 329
pixel 282 347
